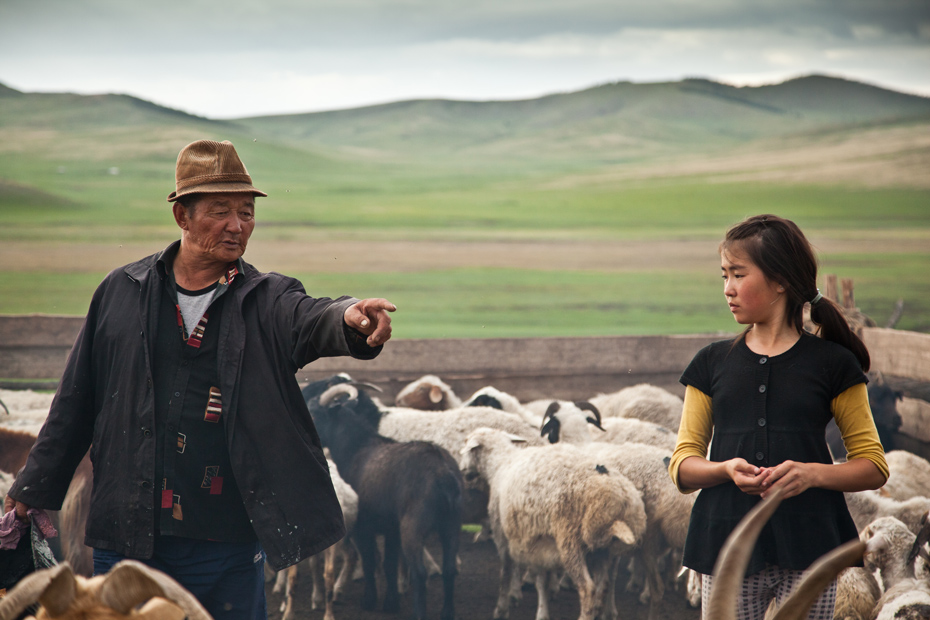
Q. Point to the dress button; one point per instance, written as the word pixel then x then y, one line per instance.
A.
pixel 763 360
pixel 761 389
pixel 761 421
pixel 146 484
pixel 146 432
pixel 759 456
pixel 176 394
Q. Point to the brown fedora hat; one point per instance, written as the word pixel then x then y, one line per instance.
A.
pixel 207 166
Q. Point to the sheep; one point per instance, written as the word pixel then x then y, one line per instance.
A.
pixel 857 592
pixel 866 506
pixel 366 406
pixel 14 449
pixel 551 508
pixel 575 422
pixel 450 430
pixel 667 510
pixel 113 596
pixel 644 402
pixel 490 396
pixel 327 589
pixel 406 491
pixel 429 393
pixel 896 551
pixel 910 475
pixel 731 565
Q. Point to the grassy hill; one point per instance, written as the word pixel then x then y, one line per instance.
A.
pixel 592 212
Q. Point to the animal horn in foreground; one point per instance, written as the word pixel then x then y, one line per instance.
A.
pixel 734 557
pixel 127 585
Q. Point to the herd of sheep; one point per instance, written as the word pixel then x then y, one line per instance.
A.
pixel 573 494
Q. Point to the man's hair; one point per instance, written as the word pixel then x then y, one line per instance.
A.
pixel 189 201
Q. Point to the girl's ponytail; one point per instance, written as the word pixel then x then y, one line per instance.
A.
pixel 834 327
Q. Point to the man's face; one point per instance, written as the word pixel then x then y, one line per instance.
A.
pixel 219 226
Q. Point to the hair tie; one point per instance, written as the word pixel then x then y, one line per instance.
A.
pixel 816 298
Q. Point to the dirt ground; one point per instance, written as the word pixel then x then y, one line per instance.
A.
pixel 476 595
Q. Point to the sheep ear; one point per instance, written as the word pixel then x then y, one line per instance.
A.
pixel 29 590
pixel 60 593
pixel 515 438
pixel 817 577
pixel 622 531
pixel 551 428
pixel 734 557
pixel 435 394
pixel 130 583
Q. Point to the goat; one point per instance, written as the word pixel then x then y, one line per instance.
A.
pixel 406 491
pixel 730 567
pixel 64 596
pixel 555 508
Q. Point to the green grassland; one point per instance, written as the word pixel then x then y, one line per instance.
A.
pixel 613 164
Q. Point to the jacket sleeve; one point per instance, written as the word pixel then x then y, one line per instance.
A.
pixel 68 430
pixel 315 327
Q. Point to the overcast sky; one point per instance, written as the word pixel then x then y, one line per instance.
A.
pixel 232 58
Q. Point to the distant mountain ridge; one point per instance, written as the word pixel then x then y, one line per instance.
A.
pixel 608 123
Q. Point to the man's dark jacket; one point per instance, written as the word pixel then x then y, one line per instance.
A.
pixel 105 401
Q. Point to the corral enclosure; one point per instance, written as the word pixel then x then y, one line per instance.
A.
pixel 33 350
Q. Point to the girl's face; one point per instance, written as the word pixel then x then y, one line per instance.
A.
pixel 751 296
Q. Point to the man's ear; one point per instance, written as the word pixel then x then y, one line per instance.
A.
pixel 180 215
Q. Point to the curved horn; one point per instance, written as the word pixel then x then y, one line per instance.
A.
pixel 923 536
pixel 130 583
pixel 734 557
pixel 551 409
pixel 367 386
pixel 30 588
pixel 586 406
pixel 348 390
pixel 2 404
pixel 818 577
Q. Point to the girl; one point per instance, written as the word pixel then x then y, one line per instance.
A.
pixel 766 397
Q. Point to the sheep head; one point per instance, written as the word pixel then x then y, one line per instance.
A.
pixel 113 596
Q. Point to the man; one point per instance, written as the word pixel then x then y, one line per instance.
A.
pixel 182 383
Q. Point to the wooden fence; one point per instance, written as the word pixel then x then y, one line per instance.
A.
pixel 33 350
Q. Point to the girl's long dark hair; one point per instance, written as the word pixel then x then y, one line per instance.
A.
pixel 779 248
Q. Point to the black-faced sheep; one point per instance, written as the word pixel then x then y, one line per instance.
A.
pixel 406 492
pixel 114 596
pixel 553 508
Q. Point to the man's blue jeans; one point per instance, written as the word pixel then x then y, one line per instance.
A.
pixel 227 578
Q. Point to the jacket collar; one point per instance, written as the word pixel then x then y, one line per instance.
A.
pixel 160 262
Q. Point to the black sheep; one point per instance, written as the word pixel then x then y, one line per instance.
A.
pixel 406 492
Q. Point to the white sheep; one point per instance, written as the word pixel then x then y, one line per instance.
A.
pixel 490 396
pixel 554 508
pixel 643 402
pixel 867 506
pixel 857 592
pixel 668 511
pixel 896 552
pixel 909 475
pixel 327 589
pixel 580 425
pixel 429 393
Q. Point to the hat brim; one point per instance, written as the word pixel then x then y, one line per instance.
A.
pixel 216 188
